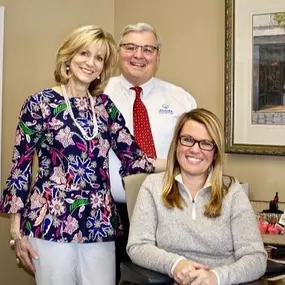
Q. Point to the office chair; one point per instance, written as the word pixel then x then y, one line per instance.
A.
pixel 130 272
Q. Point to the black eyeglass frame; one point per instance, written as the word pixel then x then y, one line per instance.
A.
pixel 136 47
pixel 197 141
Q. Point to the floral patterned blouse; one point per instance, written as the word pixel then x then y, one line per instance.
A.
pixel 70 200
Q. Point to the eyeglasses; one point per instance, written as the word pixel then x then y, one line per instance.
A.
pixel 203 144
pixel 132 48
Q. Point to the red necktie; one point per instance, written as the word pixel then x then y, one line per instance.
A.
pixel 142 130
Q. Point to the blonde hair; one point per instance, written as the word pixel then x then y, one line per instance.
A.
pixel 171 196
pixel 79 39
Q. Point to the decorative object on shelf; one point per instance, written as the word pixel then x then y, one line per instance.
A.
pixel 273 206
pixel 269 225
pixel 270 221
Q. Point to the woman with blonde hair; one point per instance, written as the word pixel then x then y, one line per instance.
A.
pixel 64 225
pixel 193 222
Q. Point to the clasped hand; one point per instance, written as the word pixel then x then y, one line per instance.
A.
pixel 190 272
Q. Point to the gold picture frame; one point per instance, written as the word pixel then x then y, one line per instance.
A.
pixel 250 129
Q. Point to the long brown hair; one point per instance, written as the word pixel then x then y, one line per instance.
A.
pixel 171 196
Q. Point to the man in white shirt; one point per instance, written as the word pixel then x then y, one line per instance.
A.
pixel 139 55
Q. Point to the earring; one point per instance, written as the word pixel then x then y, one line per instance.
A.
pixel 98 77
pixel 67 68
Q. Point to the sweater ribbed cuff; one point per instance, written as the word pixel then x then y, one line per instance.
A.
pixel 175 263
pixel 217 276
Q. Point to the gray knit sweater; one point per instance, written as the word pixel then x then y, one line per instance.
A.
pixel 230 244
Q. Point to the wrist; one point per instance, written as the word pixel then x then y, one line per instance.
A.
pixel 16 236
pixel 175 264
pixel 216 276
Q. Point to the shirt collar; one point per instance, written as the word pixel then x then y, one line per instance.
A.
pixel 126 85
pixel 207 184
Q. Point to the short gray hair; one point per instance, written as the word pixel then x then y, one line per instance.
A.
pixel 141 27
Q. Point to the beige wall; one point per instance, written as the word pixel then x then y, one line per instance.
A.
pixel 33 31
pixel 192 33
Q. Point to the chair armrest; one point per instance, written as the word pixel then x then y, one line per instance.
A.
pixel 135 274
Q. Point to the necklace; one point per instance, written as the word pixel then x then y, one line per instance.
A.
pixel 69 109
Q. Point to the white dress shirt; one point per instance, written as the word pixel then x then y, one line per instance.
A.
pixel 164 102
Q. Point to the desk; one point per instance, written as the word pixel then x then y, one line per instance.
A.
pixel 274 239
pixel 131 271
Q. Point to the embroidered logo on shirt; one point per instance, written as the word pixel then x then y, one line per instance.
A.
pixel 165 109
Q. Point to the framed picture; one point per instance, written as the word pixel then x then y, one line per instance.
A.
pixel 255 76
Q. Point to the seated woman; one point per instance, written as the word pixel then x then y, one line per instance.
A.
pixel 192 222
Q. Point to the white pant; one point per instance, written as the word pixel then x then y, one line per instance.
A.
pixel 73 263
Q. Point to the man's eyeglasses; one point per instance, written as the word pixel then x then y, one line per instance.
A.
pixel 132 48
pixel 203 144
